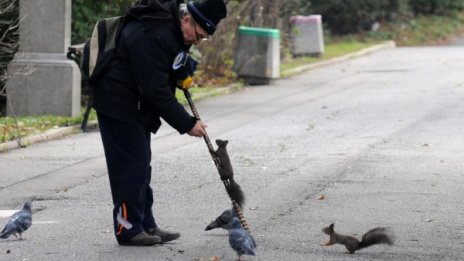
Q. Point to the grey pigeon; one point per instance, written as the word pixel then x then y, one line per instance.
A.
pixel 18 222
pixel 240 240
pixel 223 221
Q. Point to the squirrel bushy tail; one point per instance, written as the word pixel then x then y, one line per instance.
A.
pixel 379 235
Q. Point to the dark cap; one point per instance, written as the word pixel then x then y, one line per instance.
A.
pixel 208 13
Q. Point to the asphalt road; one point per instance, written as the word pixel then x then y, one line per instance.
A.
pixel 373 141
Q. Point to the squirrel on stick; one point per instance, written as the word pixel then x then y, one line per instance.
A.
pixel 227 173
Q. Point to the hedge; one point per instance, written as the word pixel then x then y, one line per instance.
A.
pixel 351 16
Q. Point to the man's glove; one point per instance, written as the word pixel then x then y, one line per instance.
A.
pixel 184 67
pixel 185 84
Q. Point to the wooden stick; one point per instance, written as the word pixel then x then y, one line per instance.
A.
pixel 235 205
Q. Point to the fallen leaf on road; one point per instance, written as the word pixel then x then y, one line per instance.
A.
pixel 310 127
pixel 322 197
pixel 215 258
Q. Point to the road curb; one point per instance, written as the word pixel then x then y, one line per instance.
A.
pixel 47 135
pixel 51 134
pixel 65 131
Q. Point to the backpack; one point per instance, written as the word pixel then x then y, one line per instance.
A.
pixel 99 49
pixel 95 54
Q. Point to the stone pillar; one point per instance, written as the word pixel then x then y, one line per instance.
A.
pixel 43 80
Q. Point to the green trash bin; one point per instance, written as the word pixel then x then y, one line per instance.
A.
pixel 257 56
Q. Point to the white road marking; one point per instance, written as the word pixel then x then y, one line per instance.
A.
pixel 7 213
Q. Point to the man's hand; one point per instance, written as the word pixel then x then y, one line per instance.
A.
pixel 198 130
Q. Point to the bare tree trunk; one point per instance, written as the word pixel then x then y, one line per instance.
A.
pixel 218 53
pixel 9 13
pixel 272 13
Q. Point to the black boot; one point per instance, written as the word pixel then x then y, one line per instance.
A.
pixel 142 239
pixel 165 236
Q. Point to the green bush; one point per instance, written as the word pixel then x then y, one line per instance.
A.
pixel 86 13
pixel 8 43
pixel 439 7
pixel 350 16
pixel 398 7
pixel 295 7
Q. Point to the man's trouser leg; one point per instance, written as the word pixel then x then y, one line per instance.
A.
pixel 128 155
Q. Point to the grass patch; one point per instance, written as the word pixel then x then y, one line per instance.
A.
pixel 195 92
pixel 332 50
pixel 429 30
pixel 32 125
pixel 415 31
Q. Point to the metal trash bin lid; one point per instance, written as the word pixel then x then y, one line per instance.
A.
pixel 264 32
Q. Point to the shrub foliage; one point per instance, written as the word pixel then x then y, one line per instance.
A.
pixel 438 7
pixel 85 13
pixel 9 10
pixel 351 16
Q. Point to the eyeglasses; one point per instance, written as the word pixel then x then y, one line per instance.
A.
pixel 199 36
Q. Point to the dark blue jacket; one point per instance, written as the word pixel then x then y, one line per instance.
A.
pixel 139 86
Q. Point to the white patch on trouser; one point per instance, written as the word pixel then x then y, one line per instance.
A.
pixel 126 224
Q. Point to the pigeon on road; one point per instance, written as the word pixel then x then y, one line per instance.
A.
pixel 240 240
pixel 223 221
pixel 18 222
